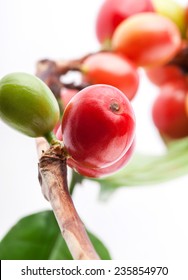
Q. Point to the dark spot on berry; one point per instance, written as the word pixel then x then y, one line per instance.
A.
pixel 114 107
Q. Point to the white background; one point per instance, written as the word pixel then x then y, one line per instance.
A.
pixel 135 223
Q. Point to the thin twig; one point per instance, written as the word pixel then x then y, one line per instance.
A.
pixel 53 180
pixel 51 71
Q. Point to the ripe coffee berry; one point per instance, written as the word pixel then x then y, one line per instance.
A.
pixel 169 110
pixel 98 126
pixel 112 69
pixel 147 39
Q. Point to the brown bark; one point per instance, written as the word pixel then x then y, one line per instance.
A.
pixel 53 180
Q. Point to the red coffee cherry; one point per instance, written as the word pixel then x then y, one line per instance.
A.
pixel 98 126
pixel 147 39
pixel 112 69
pixel 169 110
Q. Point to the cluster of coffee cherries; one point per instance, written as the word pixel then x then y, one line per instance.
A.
pixel 97 123
pixel 147 34
pixel 151 34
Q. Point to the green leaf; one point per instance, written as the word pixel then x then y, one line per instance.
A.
pixel 149 170
pixel 37 237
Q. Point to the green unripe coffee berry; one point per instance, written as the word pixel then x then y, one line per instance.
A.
pixel 27 104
